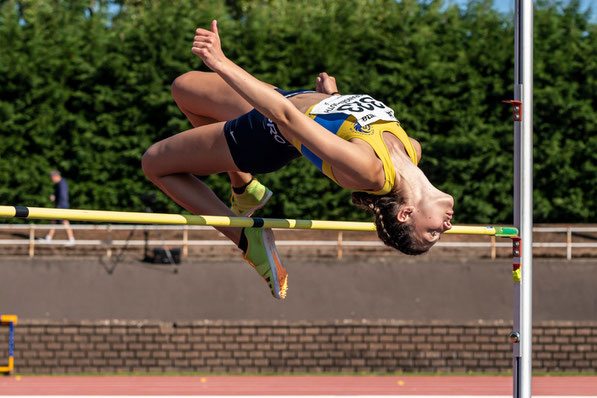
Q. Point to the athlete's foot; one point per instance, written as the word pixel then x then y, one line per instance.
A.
pixel 254 197
pixel 262 255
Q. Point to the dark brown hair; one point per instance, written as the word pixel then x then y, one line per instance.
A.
pixel 392 232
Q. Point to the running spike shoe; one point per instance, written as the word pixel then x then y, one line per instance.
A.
pixel 254 198
pixel 263 256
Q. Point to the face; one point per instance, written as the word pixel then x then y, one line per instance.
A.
pixel 55 178
pixel 431 219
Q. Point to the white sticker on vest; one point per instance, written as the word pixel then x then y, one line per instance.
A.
pixel 365 109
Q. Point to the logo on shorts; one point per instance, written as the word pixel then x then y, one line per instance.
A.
pixel 232 135
pixel 273 130
pixel 363 130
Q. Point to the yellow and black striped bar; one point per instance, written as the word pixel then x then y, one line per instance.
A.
pixel 40 213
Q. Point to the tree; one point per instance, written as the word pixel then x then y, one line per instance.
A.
pixel 85 88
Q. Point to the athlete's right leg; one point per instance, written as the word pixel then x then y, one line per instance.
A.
pixel 205 98
pixel 172 164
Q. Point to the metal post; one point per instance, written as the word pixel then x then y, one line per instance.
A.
pixel 339 245
pixel 185 242
pixel 569 244
pixel 109 241
pixel 517 316
pixel 31 240
pixel 523 194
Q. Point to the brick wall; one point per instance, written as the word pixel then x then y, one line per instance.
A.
pixel 266 346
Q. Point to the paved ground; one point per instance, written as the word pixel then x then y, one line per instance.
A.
pixel 469 386
pixel 391 288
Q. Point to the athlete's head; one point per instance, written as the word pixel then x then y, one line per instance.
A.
pixel 411 227
pixel 430 217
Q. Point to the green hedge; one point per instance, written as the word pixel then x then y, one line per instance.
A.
pixel 87 90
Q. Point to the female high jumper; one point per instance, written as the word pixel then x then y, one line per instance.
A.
pixel 244 126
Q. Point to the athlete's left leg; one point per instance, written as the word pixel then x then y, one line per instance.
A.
pixel 205 98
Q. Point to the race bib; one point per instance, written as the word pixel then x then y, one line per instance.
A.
pixel 363 107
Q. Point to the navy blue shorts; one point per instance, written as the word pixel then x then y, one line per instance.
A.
pixel 256 144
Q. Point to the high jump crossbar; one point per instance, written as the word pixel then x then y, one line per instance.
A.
pixel 41 213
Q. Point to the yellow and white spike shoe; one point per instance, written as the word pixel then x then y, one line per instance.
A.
pixel 263 256
pixel 254 198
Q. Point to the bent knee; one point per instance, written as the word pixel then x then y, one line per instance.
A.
pixel 150 162
pixel 186 83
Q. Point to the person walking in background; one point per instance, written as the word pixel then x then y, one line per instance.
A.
pixel 60 199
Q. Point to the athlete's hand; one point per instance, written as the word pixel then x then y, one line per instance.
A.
pixel 208 47
pixel 326 84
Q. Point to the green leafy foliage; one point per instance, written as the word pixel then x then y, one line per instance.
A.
pixel 85 88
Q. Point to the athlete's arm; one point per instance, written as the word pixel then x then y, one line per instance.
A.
pixel 344 156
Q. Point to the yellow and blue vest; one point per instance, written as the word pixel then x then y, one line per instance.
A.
pixel 346 127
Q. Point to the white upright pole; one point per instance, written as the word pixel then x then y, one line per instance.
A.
pixel 523 195
pixel 527 198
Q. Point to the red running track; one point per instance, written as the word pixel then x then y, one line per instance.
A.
pixel 291 385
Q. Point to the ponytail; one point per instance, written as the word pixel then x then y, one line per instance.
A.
pixel 392 232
